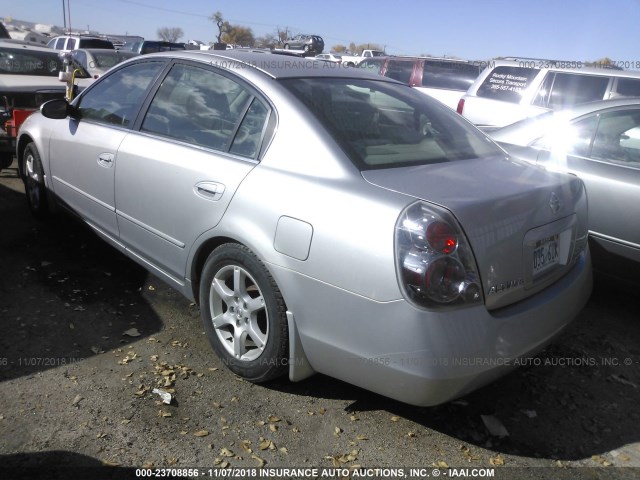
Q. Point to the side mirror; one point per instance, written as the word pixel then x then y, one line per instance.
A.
pixel 56 109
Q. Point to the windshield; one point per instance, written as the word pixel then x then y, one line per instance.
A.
pixel 29 62
pixel 383 125
pixel 108 59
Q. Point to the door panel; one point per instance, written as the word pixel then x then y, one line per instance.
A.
pixel 81 176
pixel 168 194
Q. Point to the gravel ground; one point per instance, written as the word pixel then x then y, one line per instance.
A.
pixel 87 336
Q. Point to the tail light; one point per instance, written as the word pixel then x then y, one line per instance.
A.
pixel 460 106
pixel 436 267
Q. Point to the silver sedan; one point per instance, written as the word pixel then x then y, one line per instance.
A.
pixel 325 219
pixel 599 142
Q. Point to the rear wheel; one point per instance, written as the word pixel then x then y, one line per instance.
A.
pixel 243 314
pixel 33 178
pixel 286 46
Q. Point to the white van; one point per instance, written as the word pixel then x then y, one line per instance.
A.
pixel 510 90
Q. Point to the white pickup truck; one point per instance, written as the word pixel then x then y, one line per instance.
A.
pixel 354 60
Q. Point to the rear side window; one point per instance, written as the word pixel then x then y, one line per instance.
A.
pixel 449 75
pixel 507 83
pixel 201 107
pixel 400 70
pixel 628 87
pixel 561 90
pixel 618 138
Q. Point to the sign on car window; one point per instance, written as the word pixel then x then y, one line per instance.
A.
pixel 507 83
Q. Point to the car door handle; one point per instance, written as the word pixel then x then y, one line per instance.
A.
pixel 106 159
pixel 209 190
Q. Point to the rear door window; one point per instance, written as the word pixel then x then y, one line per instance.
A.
pixel 560 90
pixel 449 75
pixel 507 83
pixel 400 70
pixel 628 87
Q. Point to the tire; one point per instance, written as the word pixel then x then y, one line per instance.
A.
pixel 244 314
pixel 33 178
pixel 306 48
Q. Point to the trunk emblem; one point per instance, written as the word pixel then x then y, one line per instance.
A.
pixel 554 202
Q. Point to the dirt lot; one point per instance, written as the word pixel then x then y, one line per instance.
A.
pixel 87 334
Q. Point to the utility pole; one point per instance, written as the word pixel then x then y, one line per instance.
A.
pixel 64 16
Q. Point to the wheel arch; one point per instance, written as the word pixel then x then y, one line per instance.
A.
pixel 299 365
pixel 23 141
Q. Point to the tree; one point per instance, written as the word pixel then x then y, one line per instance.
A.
pixel 221 23
pixel 283 34
pixel 339 48
pixel 238 35
pixel 170 34
pixel 267 41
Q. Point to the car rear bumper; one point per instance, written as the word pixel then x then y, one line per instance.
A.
pixel 427 358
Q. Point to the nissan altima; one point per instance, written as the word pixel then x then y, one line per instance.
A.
pixel 324 219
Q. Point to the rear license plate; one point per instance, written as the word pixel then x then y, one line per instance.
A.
pixel 546 254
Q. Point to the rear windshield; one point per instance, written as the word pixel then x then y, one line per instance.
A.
pixel 383 125
pixel 449 75
pixel 29 62
pixel 507 83
pixel 95 43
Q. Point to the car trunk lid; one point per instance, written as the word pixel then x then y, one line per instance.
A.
pixel 525 226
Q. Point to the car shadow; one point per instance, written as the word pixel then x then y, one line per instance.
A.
pixel 580 388
pixel 65 295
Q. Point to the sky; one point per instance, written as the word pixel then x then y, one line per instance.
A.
pixel 473 30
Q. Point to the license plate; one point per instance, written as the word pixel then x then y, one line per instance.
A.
pixel 546 254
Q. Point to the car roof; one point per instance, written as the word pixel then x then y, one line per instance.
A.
pixel 524 63
pixel 272 64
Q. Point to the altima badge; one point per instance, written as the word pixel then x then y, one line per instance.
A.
pixel 554 202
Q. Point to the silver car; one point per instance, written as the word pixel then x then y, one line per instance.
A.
pixel 94 62
pixel 599 142
pixel 325 219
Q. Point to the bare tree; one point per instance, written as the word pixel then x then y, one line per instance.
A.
pixel 170 34
pixel 283 34
pixel 221 23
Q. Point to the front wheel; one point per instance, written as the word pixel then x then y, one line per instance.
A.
pixel 286 46
pixel 33 178
pixel 244 314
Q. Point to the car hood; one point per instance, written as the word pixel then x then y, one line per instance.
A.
pixel 505 206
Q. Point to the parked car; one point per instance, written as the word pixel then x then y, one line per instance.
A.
pixel 354 60
pixel 599 142
pixel 28 78
pixel 325 220
pixel 151 46
pixel 329 57
pixel 510 90
pixel 72 42
pixel 95 62
pixel 308 43
pixel 446 80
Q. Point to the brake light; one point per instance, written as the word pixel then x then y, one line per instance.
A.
pixel 460 106
pixel 441 237
pixel 436 267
